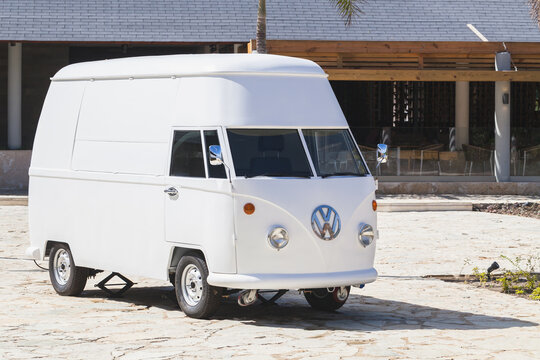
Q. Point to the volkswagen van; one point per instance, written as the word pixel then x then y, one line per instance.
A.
pixel 225 174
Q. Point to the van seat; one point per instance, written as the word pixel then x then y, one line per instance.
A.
pixel 270 165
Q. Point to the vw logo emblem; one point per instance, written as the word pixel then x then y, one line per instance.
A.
pixel 325 222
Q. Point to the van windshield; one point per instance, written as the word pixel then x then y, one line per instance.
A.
pixel 268 152
pixel 334 153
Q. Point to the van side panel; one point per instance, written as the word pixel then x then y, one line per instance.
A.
pixel 124 126
pixel 118 225
pixel 55 132
pixel 51 155
pixel 120 153
pixel 108 207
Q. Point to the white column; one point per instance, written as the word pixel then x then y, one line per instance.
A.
pixel 14 96
pixel 462 113
pixel 502 130
pixel 503 62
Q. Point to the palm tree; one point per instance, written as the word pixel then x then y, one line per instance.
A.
pixel 535 10
pixel 346 8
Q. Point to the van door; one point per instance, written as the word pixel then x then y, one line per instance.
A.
pixel 198 201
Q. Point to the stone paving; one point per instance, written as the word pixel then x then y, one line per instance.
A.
pixel 475 199
pixel 400 316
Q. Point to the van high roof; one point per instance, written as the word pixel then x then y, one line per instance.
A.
pixel 190 65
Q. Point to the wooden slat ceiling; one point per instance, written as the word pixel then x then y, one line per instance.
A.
pixel 458 59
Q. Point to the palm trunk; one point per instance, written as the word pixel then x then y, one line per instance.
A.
pixel 535 10
pixel 261 27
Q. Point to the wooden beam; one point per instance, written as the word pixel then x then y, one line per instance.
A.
pixel 286 47
pixel 252 45
pixel 431 75
pixel 339 61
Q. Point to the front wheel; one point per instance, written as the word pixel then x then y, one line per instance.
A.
pixel 196 297
pixel 66 278
pixel 321 299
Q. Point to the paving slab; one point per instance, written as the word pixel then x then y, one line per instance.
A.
pixel 400 316
pixel 448 202
pixel 452 242
pixel 13 200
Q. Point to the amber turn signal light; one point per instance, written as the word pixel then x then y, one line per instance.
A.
pixel 374 205
pixel 249 208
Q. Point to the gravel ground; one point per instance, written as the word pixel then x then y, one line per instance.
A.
pixel 527 209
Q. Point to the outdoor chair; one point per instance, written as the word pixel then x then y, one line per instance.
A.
pixel 448 160
pixel 530 153
pixel 408 155
pixel 476 154
pixel 430 152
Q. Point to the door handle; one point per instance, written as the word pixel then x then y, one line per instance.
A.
pixel 171 191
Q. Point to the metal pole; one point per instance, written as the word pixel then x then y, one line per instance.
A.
pixel 14 96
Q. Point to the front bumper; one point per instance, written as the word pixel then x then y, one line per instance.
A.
pixel 292 281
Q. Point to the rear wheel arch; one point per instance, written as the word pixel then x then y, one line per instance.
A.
pixel 51 243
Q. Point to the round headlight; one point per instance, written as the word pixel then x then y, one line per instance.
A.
pixel 278 237
pixel 366 235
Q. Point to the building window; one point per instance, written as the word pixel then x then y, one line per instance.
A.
pixel 525 129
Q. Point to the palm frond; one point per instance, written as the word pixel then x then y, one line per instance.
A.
pixel 350 8
pixel 535 10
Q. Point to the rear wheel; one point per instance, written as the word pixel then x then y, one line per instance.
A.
pixel 321 299
pixel 66 278
pixel 196 297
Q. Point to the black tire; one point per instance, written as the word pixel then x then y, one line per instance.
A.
pixel 199 299
pixel 67 279
pixel 321 299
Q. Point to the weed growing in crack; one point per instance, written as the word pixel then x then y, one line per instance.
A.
pixel 520 280
pixel 523 280
pixel 535 295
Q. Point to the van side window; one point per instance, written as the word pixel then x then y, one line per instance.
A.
pixel 214 171
pixel 187 155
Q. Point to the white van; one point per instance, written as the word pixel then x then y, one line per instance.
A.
pixel 222 173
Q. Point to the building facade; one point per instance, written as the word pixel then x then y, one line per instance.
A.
pixel 452 87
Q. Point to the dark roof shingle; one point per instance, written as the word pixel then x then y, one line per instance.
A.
pixel 235 20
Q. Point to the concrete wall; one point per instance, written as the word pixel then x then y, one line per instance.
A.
pixel 14 166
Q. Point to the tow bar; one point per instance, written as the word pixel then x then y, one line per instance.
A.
pixel 249 297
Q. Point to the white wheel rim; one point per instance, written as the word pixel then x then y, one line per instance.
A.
pixel 192 285
pixel 62 267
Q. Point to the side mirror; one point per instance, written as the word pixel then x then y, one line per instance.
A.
pixel 382 154
pixel 216 158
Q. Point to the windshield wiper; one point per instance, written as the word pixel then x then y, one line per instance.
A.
pixel 343 174
pixel 276 175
